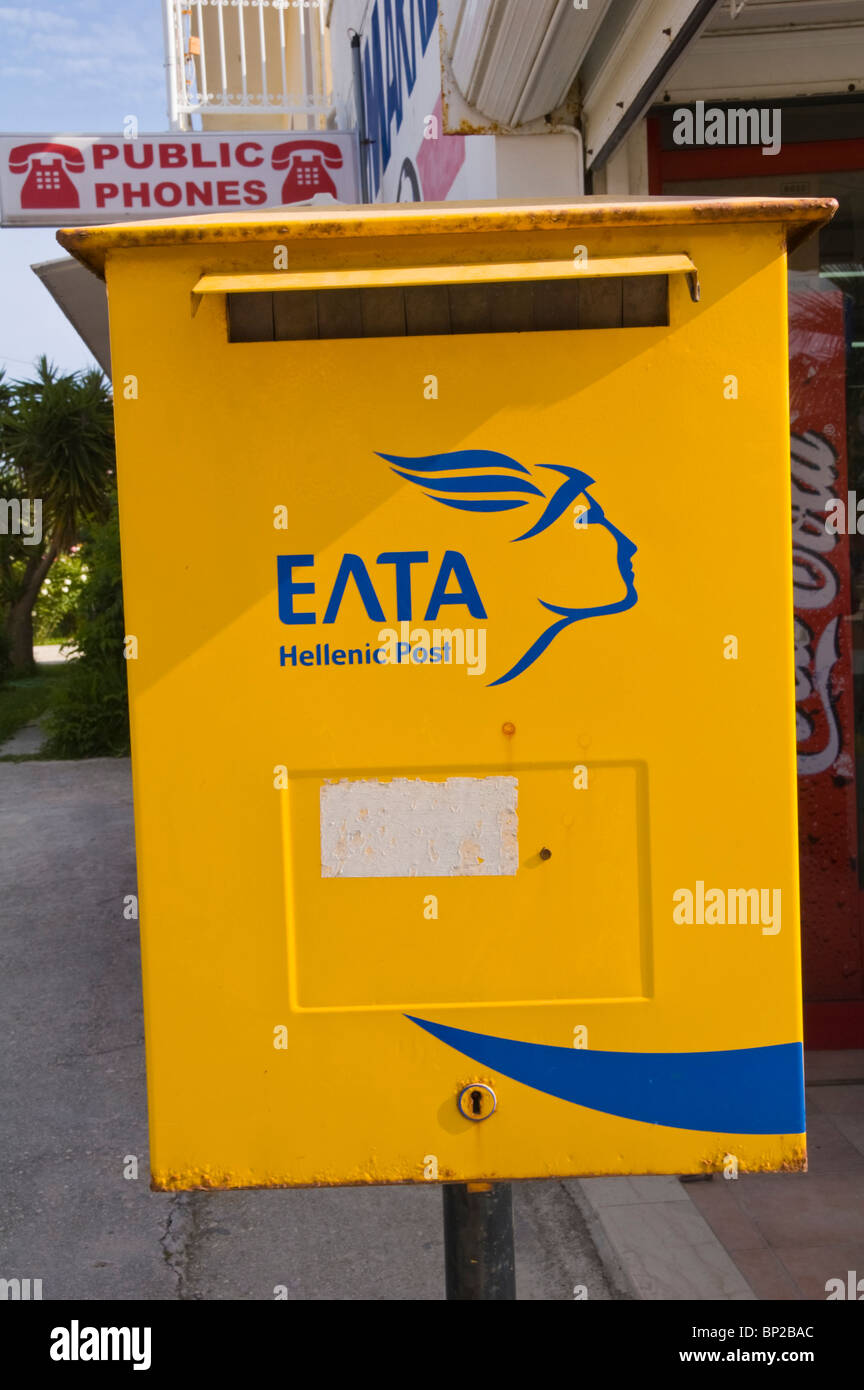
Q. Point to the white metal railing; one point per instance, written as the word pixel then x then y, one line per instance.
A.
pixel 264 58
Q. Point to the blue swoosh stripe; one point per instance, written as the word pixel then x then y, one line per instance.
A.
pixel 474 482
pixel 465 505
pixel 560 501
pixel 456 459
pixel 747 1090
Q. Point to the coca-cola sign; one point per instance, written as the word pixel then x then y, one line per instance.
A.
pixel 817 589
pixel 827 809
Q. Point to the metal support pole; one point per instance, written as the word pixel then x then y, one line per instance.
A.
pixel 169 29
pixel 478 1241
pixel 360 107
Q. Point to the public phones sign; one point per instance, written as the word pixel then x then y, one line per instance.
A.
pixel 48 180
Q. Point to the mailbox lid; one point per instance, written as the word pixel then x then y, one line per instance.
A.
pixel 798 217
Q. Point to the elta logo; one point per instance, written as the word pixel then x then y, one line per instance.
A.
pixel 307 175
pixel 47 167
pixel 453 480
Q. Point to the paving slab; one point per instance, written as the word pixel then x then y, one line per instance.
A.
pixel 666 1247
pixel 25 741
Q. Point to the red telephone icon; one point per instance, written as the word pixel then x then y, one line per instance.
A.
pixel 305 163
pixel 48 184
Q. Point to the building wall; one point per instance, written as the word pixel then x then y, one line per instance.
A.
pixel 413 158
pixel 255 68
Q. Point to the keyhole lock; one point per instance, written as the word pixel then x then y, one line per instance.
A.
pixel 477 1101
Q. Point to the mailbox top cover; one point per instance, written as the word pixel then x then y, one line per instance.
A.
pixel 799 217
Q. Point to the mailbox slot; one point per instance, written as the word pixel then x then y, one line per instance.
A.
pixel 416 301
pixel 400 311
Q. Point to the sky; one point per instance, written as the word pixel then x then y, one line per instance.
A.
pixel 67 67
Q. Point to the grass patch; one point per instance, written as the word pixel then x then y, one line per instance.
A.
pixel 25 700
pixel 88 716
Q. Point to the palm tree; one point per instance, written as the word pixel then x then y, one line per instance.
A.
pixel 56 444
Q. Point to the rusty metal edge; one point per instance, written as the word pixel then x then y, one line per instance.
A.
pixel 799 216
pixel 210 1180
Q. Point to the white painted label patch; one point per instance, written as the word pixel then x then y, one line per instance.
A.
pixel 411 828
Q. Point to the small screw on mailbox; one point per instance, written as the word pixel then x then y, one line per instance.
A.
pixel 477 1101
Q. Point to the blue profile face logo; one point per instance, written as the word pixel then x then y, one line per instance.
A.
pixel 481 481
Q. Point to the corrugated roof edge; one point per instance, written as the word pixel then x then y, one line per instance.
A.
pixel 800 216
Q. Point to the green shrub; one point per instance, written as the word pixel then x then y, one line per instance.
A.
pixel 56 609
pixel 89 714
pixel 5 659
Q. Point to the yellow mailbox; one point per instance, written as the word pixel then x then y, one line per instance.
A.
pixel 456 554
